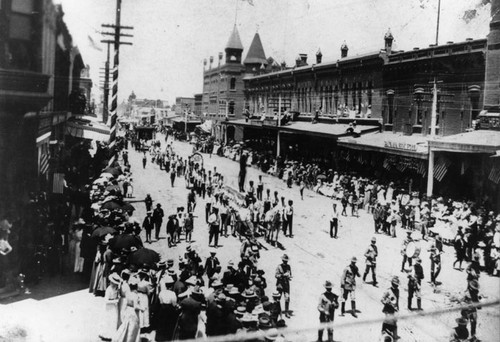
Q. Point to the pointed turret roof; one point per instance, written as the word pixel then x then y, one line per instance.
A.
pixel 234 41
pixel 256 53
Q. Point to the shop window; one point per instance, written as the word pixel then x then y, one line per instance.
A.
pixel 230 109
pixel 232 85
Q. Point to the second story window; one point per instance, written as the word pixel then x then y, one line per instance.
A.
pixel 17 39
pixel 232 85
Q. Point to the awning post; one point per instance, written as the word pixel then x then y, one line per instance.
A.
pixel 430 173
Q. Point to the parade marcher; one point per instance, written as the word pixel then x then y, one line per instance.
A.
pixel 474 269
pixel 334 221
pixel 214 226
pixel 459 246
pixel 414 287
pixel 172 176
pixel 435 257
pixel 470 312
pixel 189 226
pixel 390 300
pixel 158 219
pixel 288 219
pixel 328 302
pixel 191 201
pixel 260 188
pixel 172 224
pixel 149 202
pixel 460 333
pixel 371 261
pixel 144 160
pixel 148 226
pixel 283 277
pixel 403 251
pixel 348 286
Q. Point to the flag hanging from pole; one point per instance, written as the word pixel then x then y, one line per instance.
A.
pixel 441 168
pixel 58 183
pixel 44 159
pixel 494 175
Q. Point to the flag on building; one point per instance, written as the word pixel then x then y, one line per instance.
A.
pixel 494 175
pixel 58 183
pixel 43 164
pixel 441 168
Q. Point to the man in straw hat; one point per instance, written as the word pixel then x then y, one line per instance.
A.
pixel 460 332
pixel 328 302
pixel 348 285
pixel 283 277
pixel 390 300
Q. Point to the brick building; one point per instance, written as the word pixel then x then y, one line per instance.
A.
pixel 36 60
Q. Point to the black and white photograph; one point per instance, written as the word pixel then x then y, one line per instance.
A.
pixel 250 170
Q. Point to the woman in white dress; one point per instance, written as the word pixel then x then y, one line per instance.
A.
pixel 129 330
pixel 77 238
pixel 110 320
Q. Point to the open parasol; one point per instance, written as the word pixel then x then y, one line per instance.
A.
pixel 124 241
pixel 102 231
pixel 144 256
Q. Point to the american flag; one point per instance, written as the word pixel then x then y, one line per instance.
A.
pixel 58 183
pixel 43 165
pixel 422 168
pixel 387 165
pixel 441 168
pixel 495 174
pixel 401 166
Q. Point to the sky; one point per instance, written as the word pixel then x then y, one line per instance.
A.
pixel 172 37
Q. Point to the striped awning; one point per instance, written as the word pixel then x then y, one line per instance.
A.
pixel 87 130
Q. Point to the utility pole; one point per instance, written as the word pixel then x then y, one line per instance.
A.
pixel 279 125
pixel 106 85
pixel 437 26
pixel 117 35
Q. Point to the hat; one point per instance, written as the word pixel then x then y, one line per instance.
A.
pixel 409 233
pixel 191 280
pixel 234 291
pixel 395 280
pixel 228 287
pixel 461 321
pixel 248 293
pixel 374 239
pixel 171 272
pixel 168 279
pixel 162 263
pixel 418 260
pixel 240 310
pixel 328 284
pixel 276 294
pixel 247 318
pixel 158 205
pixel 115 278
pixel 170 262
pixel 354 259
pixel 188 248
pixel 259 309
pixel 255 248
pixel 221 297
pixel 230 263
pixel 474 284
pixel 272 334
pixel 265 322
pixel 285 257
pixel 216 283
pixel 149 212
pixel 213 251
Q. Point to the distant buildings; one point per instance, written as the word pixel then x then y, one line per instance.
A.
pixel 388 96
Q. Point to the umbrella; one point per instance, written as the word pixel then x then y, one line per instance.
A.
pixel 100 181
pixel 113 204
pixel 113 170
pixel 126 241
pixel 103 231
pixel 144 256
pixel 106 175
pixel 323 177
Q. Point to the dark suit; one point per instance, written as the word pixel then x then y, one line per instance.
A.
pixel 158 220
pixel 188 321
pixel 148 225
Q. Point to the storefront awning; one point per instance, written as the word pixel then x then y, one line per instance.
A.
pixel 87 130
pixel 480 141
pixel 414 146
pixel 206 126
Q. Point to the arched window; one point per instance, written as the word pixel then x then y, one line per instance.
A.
pixel 232 85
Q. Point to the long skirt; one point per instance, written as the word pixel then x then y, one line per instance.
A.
pixel 129 330
pixel 110 320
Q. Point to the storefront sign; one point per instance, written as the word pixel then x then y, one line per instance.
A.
pixel 400 146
